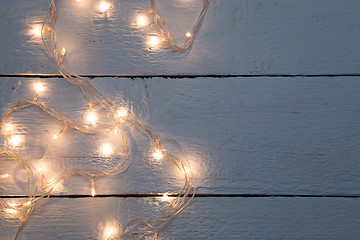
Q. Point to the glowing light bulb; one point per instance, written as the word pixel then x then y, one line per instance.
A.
pixel 8 129
pixel 63 52
pixel 122 112
pixel 15 140
pixel 188 34
pixel 4 175
pixel 104 6
pixel 36 31
pixel 186 169
pixel 91 118
pixel 116 131
pixel 55 137
pixel 153 41
pixel 109 231
pixel 40 169
pixel 106 149
pixel 39 87
pixel 11 210
pixel 28 203
pixel 92 183
pixel 165 198
pixel 78 0
pixel 158 154
pixel 142 21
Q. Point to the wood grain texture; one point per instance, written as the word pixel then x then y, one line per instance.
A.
pixel 237 37
pixel 243 135
pixel 209 218
pixel 260 135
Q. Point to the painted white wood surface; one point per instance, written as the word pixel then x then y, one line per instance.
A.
pixel 243 135
pixel 237 37
pixel 205 218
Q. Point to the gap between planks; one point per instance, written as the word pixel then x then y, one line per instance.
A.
pixel 177 76
pixel 200 195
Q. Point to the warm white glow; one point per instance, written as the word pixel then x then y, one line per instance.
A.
pixel 92 184
pixel 142 21
pixel 36 31
pixel 109 231
pixel 8 129
pixel 63 51
pixel 11 210
pixel 42 167
pixel 153 41
pixel 104 6
pixel 4 175
pixel 106 149
pixel 187 169
pixel 55 137
pixel 39 87
pixel 91 118
pixel 188 34
pixel 15 140
pixel 157 154
pixel 165 198
pixel 116 131
pixel 78 0
pixel 122 112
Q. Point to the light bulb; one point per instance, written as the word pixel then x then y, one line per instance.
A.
pixel 109 231
pixel 106 149
pixel 104 6
pixel 36 31
pixel 8 129
pixel 91 118
pixel 4 175
pixel 122 112
pixel 142 21
pixel 11 210
pixel 153 41
pixel 15 140
pixel 188 34
pixel 63 52
pixel 157 154
pixel 55 137
pixel 116 131
pixel 165 197
pixel 39 87
pixel 92 184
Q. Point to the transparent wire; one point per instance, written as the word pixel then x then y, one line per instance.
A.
pixel 37 185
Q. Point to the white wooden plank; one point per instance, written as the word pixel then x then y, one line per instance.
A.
pixel 243 135
pixel 237 37
pixel 205 218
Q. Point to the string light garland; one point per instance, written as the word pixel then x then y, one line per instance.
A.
pixel 39 186
pixel 160 24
